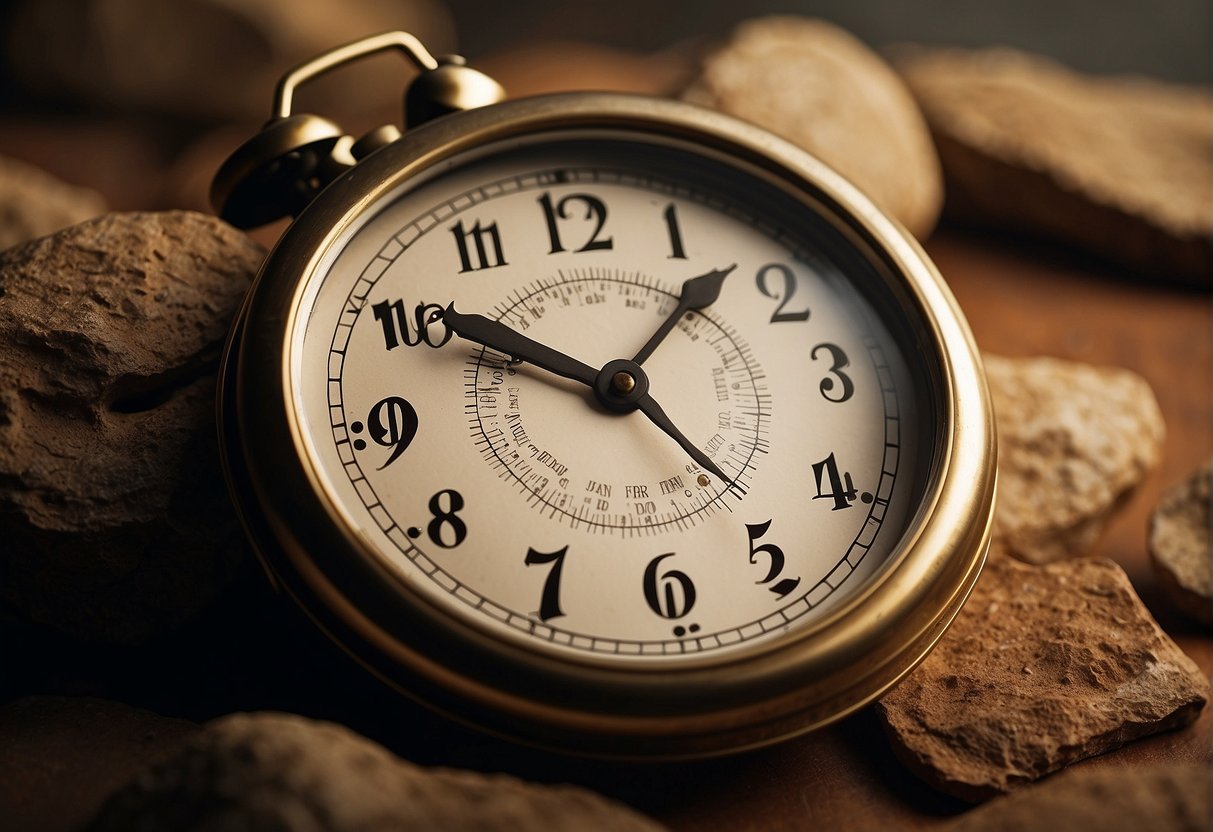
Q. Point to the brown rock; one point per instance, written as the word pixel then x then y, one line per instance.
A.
pixel 1161 798
pixel 34 203
pixel 277 771
pixel 1117 166
pixel 207 59
pixel 1044 666
pixel 1179 546
pixel 61 758
pixel 117 523
pixel 1073 442
pixel 819 87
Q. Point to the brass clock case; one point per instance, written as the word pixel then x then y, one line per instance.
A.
pixel 710 705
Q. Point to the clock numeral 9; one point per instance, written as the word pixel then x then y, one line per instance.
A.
pixel 391 423
pixel 777 559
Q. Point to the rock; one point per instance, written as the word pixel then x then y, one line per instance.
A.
pixel 61 758
pixel 117 520
pixel 1117 166
pixel 819 87
pixel 277 771
pixel 1044 666
pixel 1170 797
pixel 208 60
pixel 1073 442
pixel 1179 546
pixel 33 203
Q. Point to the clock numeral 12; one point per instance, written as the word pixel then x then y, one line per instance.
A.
pixel 595 209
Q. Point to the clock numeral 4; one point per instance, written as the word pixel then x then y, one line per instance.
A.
pixel 835 485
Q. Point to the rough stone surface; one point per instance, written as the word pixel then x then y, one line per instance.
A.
pixel 116 520
pixel 1118 166
pixel 61 758
pixel 1160 798
pixel 276 771
pixel 1073 442
pixel 207 59
pixel 819 87
pixel 1045 665
pixel 1179 546
pixel 33 203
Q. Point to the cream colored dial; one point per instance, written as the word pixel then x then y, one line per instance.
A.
pixel 515 498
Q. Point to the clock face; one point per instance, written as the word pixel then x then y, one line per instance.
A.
pixel 679 426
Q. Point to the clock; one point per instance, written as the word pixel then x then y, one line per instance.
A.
pixel 606 423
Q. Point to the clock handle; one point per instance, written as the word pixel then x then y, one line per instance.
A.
pixel 280 170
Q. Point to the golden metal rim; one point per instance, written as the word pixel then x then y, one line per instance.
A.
pixel 714 706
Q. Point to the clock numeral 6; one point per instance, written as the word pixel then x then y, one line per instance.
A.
pixel 671 594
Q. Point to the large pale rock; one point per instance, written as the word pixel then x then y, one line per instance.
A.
pixel 33 203
pixel 117 524
pixel 1073 442
pixel 816 85
pixel 1044 666
pixel 1118 166
pixel 1171 797
pixel 208 59
pixel 61 758
pixel 277 771
pixel 1179 546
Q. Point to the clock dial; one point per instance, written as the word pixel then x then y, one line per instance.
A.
pixel 608 399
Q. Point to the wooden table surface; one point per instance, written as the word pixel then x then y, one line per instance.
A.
pixel 1021 299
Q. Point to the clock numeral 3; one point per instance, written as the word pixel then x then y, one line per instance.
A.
pixel 789 289
pixel 595 209
pixel 777 559
pixel 839 360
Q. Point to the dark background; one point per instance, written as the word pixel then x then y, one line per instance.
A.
pixel 1164 38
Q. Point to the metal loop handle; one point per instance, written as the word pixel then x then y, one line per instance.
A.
pixel 411 46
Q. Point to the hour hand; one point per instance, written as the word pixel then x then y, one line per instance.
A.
pixel 696 293
pixel 496 335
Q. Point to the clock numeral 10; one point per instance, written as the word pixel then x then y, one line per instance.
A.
pixel 427 317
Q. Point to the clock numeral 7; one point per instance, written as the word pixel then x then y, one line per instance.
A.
pixel 549 603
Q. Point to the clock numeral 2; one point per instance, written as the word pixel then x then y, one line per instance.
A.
pixel 595 209
pixel 483 238
pixel 789 289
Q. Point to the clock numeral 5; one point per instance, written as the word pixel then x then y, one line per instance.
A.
pixel 782 588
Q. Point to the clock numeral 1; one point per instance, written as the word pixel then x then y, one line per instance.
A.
pixel 478 235
pixel 595 209
pixel 671 224
pixel 789 288
pixel 782 588
pixel 549 603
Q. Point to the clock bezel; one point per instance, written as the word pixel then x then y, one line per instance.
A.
pixel 745 698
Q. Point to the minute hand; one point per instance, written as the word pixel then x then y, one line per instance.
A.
pixel 697 293
pixel 498 336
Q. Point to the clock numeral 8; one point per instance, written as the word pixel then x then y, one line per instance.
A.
pixel 447 518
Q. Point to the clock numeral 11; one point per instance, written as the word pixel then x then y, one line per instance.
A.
pixel 483 238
